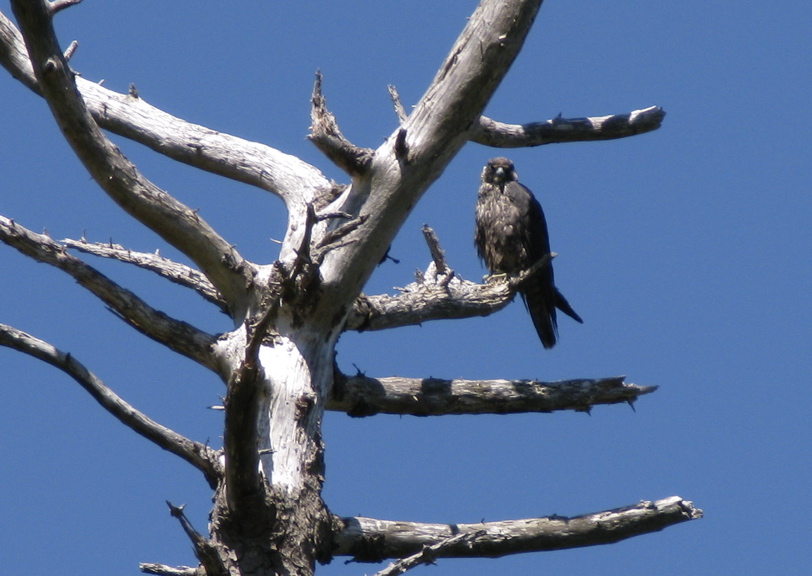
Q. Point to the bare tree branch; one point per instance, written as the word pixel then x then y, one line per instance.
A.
pixel 429 300
pixel 436 296
pixel 59 5
pixel 122 181
pixel 174 334
pixel 419 150
pixel 499 135
pixel 198 455
pixel 173 271
pixel 164 570
pixel 204 549
pixel 400 111
pixel 326 135
pixel 361 395
pixel 250 162
pixel 371 540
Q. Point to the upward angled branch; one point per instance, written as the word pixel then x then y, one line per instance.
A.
pixel 122 181
pixel 327 137
pixel 223 154
pixel 420 149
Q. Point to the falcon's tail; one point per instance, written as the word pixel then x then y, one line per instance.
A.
pixel 562 304
pixel 541 300
pixel 537 298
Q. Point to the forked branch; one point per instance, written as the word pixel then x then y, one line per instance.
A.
pixel 437 295
pixel 371 540
pixel 179 336
pixel 198 455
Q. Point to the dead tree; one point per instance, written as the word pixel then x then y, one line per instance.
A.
pixel 278 360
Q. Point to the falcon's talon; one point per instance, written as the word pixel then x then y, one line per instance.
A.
pixel 498 277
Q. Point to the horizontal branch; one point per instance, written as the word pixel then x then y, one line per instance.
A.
pixel 499 135
pixel 437 295
pixel 174 334
pixel 432 297
pixel 371 540
pixel 198 455
pixel 133 118
pixel 164 570
pixel 364 396
pixel 173 271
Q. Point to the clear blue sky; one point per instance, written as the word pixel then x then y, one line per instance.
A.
pixel 686 251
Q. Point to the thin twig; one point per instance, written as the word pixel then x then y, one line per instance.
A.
pixel 399 109
pixel 437 253
pixel 173 271
pixel 175 334
pixel 428 555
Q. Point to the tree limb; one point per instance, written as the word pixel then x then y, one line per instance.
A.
pixel 326 135
pixel 361 395
pixel 499 135
pixel 174 222
pixel 173 271
pixel 198 455
pixel 417 152
pixel 133 118
pixel 433 296
pixel 204 549
pixel 371 540
pixel 164 570
pixel 176 335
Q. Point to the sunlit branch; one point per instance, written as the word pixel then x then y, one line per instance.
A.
pixel 173 271
pixel 499 135
pixel 371 540
pixel 249 162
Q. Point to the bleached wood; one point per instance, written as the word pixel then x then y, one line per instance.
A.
pixel 253 163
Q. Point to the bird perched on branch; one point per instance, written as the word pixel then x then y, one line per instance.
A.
pixel 511 235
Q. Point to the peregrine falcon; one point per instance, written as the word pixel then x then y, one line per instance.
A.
pixel 511 235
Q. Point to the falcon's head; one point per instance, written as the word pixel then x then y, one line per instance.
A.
pixel 499 171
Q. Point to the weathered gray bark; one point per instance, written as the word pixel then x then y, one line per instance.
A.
pixel 278 361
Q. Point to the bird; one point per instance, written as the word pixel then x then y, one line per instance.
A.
pixel 511 235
